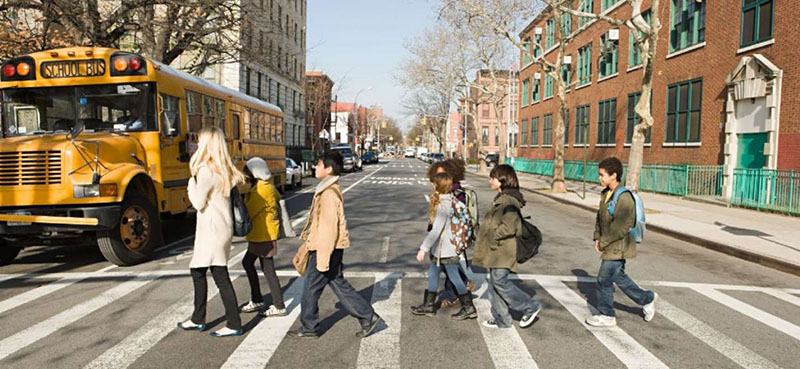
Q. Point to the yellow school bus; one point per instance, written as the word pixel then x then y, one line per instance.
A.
pixel 96 142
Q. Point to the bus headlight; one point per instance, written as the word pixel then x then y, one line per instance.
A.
pixel 101 190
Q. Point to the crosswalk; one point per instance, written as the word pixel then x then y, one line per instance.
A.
pixel 390 295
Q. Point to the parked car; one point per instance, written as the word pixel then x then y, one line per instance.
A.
pixel 348 156
pixel 409 153
pixel 294 174
pixel 436 157
pixel 370 157
pixel 491 160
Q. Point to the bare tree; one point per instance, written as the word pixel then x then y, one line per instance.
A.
pixel 645 35
pixel 209 31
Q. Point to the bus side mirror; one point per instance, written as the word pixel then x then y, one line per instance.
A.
pixel 76 130
pixel 170 123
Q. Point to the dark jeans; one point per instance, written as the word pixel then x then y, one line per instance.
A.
pixel 450 292
pixel 504 294
pixel 223 282
pixel 268 267
pixel 315 282
pixel 613 271
pixel 451 271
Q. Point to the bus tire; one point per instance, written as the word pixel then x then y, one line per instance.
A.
pixel 8 253
pixel 136 235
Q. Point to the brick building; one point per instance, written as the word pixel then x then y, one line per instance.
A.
pixel 318 91
pixel 724 86
pixel 489 131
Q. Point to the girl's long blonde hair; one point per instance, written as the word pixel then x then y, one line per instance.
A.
pixel 443 184
pixel 212 152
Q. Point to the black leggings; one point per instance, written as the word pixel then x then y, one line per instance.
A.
pixel 268 267
pixel 226 292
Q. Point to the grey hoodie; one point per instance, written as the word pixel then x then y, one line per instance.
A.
pixel 437 243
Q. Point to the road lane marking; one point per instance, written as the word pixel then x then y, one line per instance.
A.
pixel 312 189
pixel 385 250
pixel 127 351
pixel 622 345
pixel 263 340
pixel 382 348
pixel 792 299
pixel 751 311
pixel 717 340
pixel 44 328
pixel 427 198
pixel 506 347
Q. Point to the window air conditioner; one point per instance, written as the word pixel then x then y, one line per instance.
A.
pixel 612 35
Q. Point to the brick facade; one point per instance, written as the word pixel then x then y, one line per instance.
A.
pixel 711 61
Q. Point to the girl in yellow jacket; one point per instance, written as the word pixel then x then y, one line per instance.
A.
pixel 263 205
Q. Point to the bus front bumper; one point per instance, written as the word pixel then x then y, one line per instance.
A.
pixel 38 220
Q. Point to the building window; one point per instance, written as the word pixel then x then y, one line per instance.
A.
pixel 485 111
pixel 607 122
pixel 550 37
pixel 525 91
pixel 548 86
pixel 260 76
pixel 634 55
pixel 496 135
pixel 684 101
pixel 565 75
pixel 687 25
pixel 566 24
pixel 566 127
pixel 247 80
pixel 536 90
pixel 582 124
pixel 485 136
pixel 585 65
pixel 608 59
pixel 586 6
pixel 547 130
pixel 526 55
pixel 605 4
pixel 524 132
pixel 756 21
pixel 535 131
pixel 537 46
pixel 632 119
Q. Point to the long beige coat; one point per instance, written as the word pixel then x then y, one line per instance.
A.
pixel 214 232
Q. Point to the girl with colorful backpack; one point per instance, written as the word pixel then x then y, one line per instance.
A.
pixel 443 252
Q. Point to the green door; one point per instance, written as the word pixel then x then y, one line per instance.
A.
pixel 751 150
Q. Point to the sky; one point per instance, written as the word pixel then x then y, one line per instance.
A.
pixel 360 44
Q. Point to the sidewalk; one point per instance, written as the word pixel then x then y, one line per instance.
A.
pixel 765 238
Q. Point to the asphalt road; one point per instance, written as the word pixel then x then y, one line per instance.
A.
pixel 67 308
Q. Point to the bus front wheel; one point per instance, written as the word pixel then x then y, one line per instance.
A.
pixel 136 235
pixel 8 253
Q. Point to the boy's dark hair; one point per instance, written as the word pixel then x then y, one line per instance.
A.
pixel 612 165
pixel 506 175
pixel 332 159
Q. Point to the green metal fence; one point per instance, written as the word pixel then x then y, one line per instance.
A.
pixel 704 181
pixel 775 190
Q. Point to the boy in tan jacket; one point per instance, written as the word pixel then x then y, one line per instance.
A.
pixel 326 237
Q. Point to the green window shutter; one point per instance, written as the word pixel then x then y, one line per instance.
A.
pixel 566 24
pixel 687 23
pixel 684 105
pixel 606 121
pixel 526 56
pixel 632 119
pixel 566 127
pixel 535 131
pixel 550 39
pixel 537 47
pixel 547 130
pixel 586 6
pixel 757 21
pixel 523 132
pixel 548 86
pixel 525 91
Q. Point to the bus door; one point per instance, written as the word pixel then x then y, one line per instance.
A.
pixel 237 151
pixel 174 156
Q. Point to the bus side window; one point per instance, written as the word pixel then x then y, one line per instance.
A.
pixel 235 126
pixel 193 113
pixel 170 116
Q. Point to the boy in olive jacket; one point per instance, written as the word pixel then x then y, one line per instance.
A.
pixel 612 239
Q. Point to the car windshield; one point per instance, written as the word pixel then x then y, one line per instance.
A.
pixel 122 107
pixel 345 152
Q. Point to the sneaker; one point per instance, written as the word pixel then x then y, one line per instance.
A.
pixel 490 323
pixel 650 309
pixel 601 321
pixel 252 306
pixel 527 319
pixel 227 332
pixel 273 312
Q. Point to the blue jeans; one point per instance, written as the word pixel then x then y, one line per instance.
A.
pixel 613 271
pixel 316 281
pixel 452 274
pixel 450 292
pixel 504 294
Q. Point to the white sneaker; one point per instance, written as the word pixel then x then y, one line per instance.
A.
pixel 601 321
pixel 273 311
pixel 252 306
pixel 650 309
pixel 528 319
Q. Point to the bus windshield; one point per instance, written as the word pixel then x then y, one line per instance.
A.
pixel 119 107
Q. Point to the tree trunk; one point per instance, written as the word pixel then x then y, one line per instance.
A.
pixel 501 145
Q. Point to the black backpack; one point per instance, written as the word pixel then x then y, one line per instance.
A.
pixel 529 238
pixel 242 225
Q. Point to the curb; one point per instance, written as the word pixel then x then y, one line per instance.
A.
pixel 750 256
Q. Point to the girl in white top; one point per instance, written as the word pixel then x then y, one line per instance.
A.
pixel 213 176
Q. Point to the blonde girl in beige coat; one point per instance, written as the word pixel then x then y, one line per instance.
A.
pixel 213 176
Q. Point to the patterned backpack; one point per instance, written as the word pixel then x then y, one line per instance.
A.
pixel 461 227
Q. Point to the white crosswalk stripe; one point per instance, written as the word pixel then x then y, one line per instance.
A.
pixel 43 329
pixel 257 348
pixel 505 345
pixel 622 345
pixel 380 350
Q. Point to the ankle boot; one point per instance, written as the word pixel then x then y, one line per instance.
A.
pixel 467 308
pixel 428 305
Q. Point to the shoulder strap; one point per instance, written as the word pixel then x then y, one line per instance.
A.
pixel 617 192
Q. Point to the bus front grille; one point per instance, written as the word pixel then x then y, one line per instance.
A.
pixel 26 168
